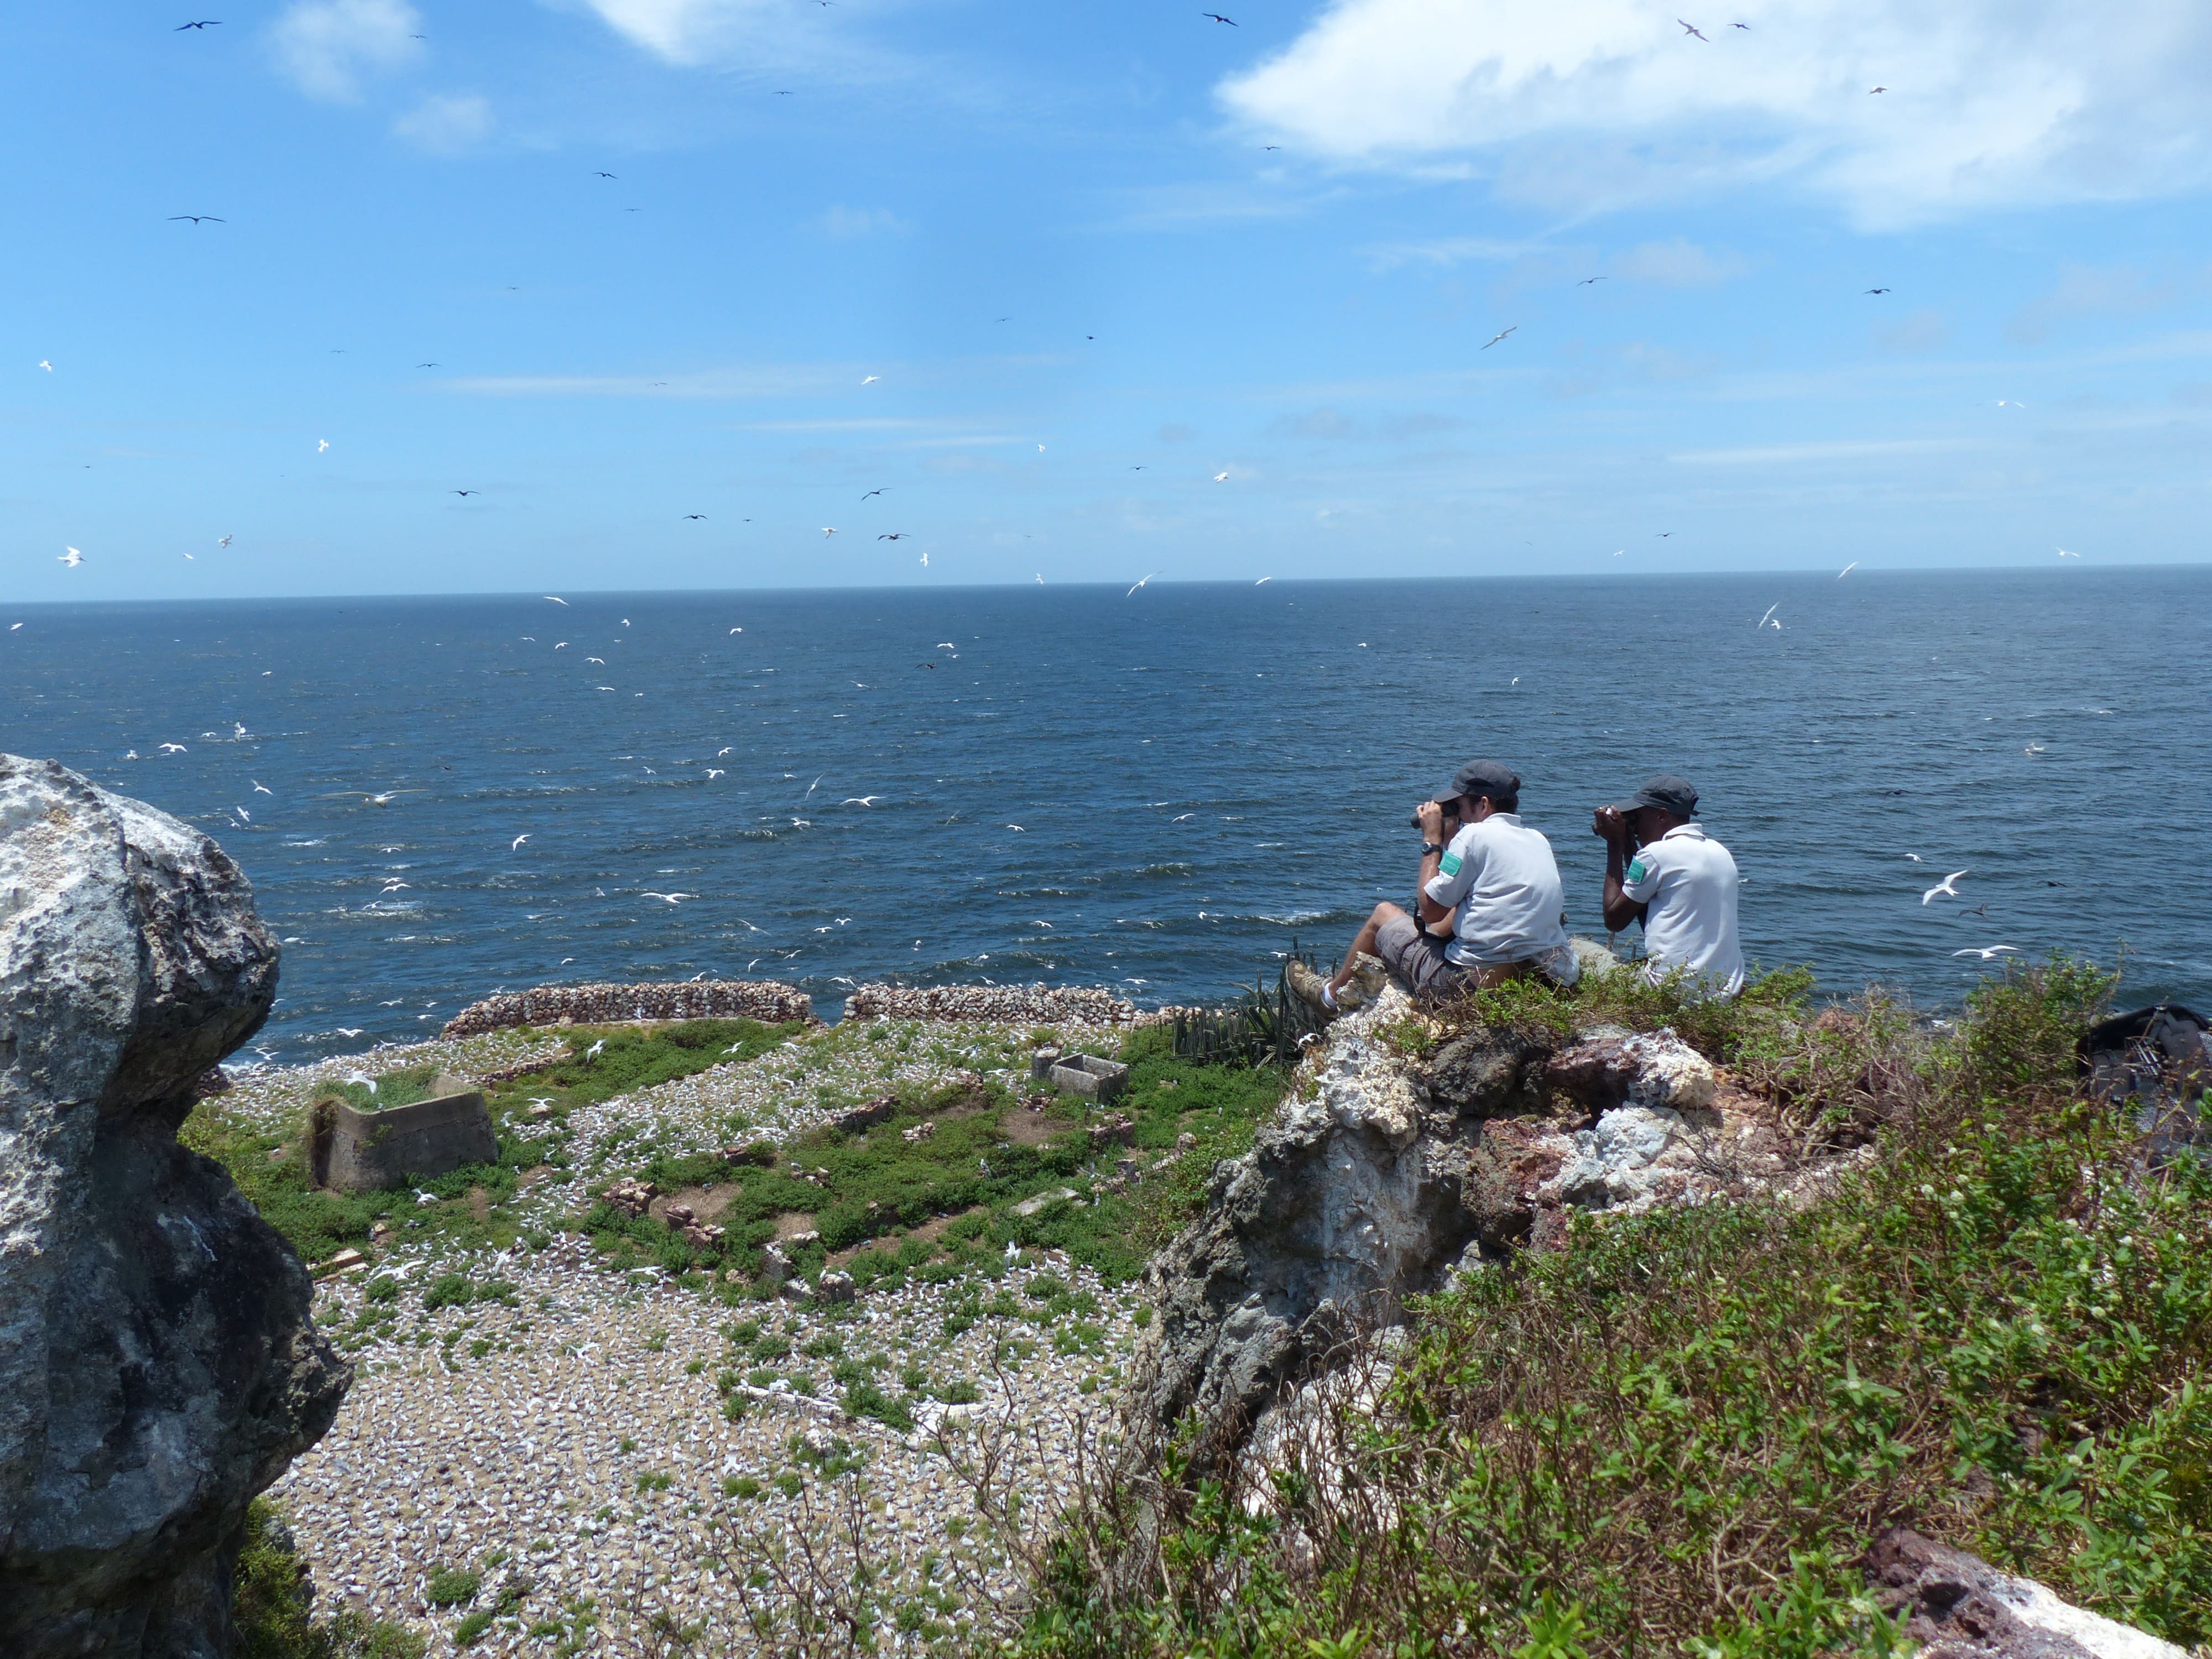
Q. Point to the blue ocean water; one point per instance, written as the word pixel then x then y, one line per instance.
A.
pixel 1155 791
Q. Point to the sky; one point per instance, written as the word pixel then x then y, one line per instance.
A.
pixel 1374 288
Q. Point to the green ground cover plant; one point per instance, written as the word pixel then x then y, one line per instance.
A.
pixel 1679 1433
pixel 318 1224
pixel 872 1185
pixel 272 1605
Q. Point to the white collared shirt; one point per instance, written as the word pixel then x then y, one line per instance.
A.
pixel 1688 882
pixel 1502 884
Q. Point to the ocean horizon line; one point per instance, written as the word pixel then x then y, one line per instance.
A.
pixel 905 590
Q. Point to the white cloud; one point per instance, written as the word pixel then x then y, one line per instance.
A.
pixel 1840 449
pixel 1592 104
pixel 695 31
pixel 1924 330
pixel 447 122
pixel 2114 291
pixel 1678 263
pixel 327 46
pixel 845 223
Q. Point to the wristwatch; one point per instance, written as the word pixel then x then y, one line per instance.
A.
pixel 1435 847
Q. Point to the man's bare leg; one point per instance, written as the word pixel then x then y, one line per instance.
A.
pixel 1363 944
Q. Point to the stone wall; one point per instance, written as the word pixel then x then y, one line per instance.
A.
pixel 611 1005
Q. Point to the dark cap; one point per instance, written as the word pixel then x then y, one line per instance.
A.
pixel 1481 777
pixel 1669 794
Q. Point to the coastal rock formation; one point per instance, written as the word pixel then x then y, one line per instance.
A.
pixel 157 1363
pixel 611 1005
pixel 1383 1173
pixel 1958 1606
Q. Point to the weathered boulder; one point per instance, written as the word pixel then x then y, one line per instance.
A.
pixel 1381 1175
pixel 1341 1209
pixel 158 1366
pixel 1652 1070
pixel 1958 1606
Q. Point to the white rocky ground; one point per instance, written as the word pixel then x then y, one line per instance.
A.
pixel 570 1443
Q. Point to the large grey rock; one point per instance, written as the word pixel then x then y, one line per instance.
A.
pixel 1381 1177
pixel 1958 1606
pixel 1341 1208
pixel 157 1363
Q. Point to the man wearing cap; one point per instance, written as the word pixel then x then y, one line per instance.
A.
pixel 1678 882
pixel 1497 884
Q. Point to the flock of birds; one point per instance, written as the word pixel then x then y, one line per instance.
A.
pixel 73 557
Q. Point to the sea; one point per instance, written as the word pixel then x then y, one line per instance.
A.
pixel 1162 790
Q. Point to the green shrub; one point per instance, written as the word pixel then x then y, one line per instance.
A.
pixel 271 1597
pixel 1678 1432
pixel 451 1586
pixel 471 1628
pixel 447 1291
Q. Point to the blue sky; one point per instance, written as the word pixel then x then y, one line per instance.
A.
pixel 1086 287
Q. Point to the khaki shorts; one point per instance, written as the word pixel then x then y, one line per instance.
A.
pixel 1417 957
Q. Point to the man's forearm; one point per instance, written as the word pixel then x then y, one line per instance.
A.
pixel 1429 909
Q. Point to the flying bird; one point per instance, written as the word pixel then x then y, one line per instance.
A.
pixel 1141 581
pixel 895 535
pixel 1218 18
pixel 828 530
pixel 1947 887
pixel 714 771
pixel 593 1052
pixel 1495 338
pixel 225 542
pixel 1221 477
pixel 44 364
pixel 468 492
pixel 429 365
pixel 1872 90
pixel 172 748
pixel 384 799
pixel 1988 955
pixel 2063 554
pixel 1847 569
pixel 925 562
pixel 1587 281
pixel 667 898
pixel 1690 29
pixel 1877 290
pixel 321 443
pixel 1263 581
pixel 859 800
pixel 516 845
pixel 694 515
pixel 872 379
pixel 72 558
pixel 203 23
pixel 603 175
pixel 1771 610
pixel 875 492
pixel 554 597
pixel 261 789
pixel 198 218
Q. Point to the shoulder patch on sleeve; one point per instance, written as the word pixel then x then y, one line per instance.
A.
pixel 1636 871
pixel 1449 865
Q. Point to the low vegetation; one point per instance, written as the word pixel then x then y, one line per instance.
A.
pixel 867 1192
pixel 1679 1433
pixel 272 1607
pixel 270 1168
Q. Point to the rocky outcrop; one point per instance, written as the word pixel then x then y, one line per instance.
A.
pixel 1957 1606
pixel 612 1004
pixel 157 1363
pixel 1381 1174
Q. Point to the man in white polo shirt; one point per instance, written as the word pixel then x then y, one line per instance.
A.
pixel 1497 885
pixel 1678 882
